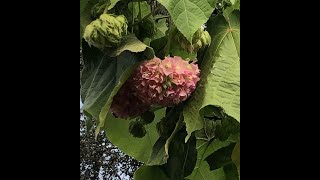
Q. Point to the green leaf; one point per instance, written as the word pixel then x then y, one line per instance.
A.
pixel 176 50
pixel 221 157
pixel 101 79
pixel 91 59
pixel 235 6
pixel 224 173
pixel 160 150
pixel 145 8
pixel 230 172
pixel 220 73
pixel 161 29
pixel 205 147
pixel 117 131
pixel 158 155
pixel 236 157
pixel 131 43
pixel 229 126
pixel 182 157
pixel 89 122
pixel 189 15
pixel 158 46
pixel 150 172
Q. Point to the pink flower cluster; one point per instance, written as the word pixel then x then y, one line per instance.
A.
pixel 166 82
pixel 160 82
pixel 125 104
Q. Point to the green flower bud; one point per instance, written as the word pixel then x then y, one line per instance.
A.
pixel 206 38
pixel 107 31
pixel 93 36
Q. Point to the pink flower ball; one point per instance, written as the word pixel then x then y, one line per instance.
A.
pixel 166 82
pixel 126 105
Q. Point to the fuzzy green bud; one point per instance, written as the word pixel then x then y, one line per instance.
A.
pixel 107 31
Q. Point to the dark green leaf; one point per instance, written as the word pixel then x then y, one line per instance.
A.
pixel 158 155
pixel 149 173
pixel 221 157
pixel 182 157
pixel 229 126
pixel 236 157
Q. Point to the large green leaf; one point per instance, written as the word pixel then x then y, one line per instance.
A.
pixel 103 76
pixel 220 73
pixel 117 131
pixel 101 79
pixel 189 15
pixel 133 44
pixel 150 172
pixel 205 147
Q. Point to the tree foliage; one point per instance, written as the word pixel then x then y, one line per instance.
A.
pixel 100 159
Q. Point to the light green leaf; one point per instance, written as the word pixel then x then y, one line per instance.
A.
pixel 117 131
pixel 150 172
pixel 223 173
pixel 161 29
pixel 235 6
pixel 189 15
pixel 145 8
pixel 131 43
pixel 220 73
